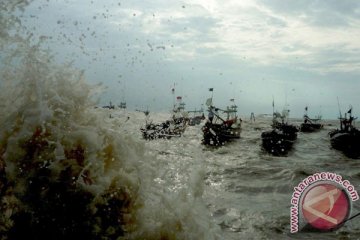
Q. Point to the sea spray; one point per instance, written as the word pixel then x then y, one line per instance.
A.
pixel 68 172
pixel 59 166
pixel 175 207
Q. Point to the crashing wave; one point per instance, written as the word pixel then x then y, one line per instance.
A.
pixel 67 173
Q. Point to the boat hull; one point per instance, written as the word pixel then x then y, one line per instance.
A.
pixel 165 130
pixel 347 142
pixel 310 127
pixel 277 143
pixel 219 134
pixel 289 131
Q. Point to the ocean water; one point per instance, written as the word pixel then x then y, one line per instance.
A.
pixel 69 170
pixel 246 190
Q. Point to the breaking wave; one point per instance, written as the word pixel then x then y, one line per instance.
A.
pixel 67 172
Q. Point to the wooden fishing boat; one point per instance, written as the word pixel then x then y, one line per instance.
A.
pixel 219 131
pixel 280 139
pixel 310 125
pixel 347 138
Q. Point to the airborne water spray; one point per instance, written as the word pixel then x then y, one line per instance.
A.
pixel 65 173
pixel 60 168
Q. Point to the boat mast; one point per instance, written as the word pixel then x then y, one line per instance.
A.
pixel 273 108
pixel 212 94
pixel 341 123
pixel 173 93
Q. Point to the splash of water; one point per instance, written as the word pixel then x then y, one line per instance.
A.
pixel 65 172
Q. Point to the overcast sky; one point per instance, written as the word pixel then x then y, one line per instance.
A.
pixel 301 52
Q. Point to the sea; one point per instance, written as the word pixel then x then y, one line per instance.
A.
pixel 72 170
pixel 247 191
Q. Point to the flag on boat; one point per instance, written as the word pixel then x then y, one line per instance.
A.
pixel 178 97
pixel 211 89
pixel 173 89
pixel 232 100
pixel 306 108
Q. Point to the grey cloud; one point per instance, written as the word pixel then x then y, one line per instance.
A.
pixel 276 22
pixel 134 51
pixel 335 57
pixel 328 19
pixel 324 13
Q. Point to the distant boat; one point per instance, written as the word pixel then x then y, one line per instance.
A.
pixel 179 114
pixel 174 127
pixel 310 125
pixel 167 129
pixel 110 106
pixel 347 138
pixel 280 140
pixel 218 131
pixel 122 105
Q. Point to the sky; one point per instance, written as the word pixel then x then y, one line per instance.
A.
pixel 299 53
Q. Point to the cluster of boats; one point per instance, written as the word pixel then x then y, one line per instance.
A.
pixel 280 140
pixel 223 126
pixel 217 130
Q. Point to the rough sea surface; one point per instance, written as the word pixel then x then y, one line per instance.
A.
pixel 69 170
pixel 247 190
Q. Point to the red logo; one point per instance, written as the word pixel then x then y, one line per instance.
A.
pixel 325 206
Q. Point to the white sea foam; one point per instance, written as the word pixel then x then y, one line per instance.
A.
pixel 50 128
